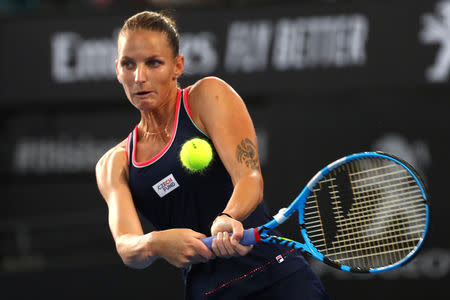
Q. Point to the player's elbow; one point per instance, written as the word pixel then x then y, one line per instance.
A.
pixel 257 178
pixel 136 264
pixel 261 188
pixel 133 255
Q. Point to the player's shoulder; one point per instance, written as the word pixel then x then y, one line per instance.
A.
pixel 116 156
pixel 209 82
pixel 207 87
pixel 210 91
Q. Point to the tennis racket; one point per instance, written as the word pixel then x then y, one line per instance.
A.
pixel 365 213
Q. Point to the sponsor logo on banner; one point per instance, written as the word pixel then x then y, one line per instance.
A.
pixel 328 41
pixel 199 52
pixel 75 58
pixel 250 46
pixel 166 185
pixel 296 44
pixel 436 30
pixel 58 155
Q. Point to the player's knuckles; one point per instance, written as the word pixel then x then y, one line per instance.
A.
pixel 188 254
pixel 237 227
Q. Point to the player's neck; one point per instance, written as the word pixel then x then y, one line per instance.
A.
pixel 158 122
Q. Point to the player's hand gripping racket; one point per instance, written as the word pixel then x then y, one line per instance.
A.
pixel 366 212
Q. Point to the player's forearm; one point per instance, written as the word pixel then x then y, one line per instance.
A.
pixel 247 194
pixel 136 251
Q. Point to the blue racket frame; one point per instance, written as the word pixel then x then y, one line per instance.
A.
pixel 299 203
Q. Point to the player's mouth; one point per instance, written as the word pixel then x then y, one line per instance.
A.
pixel 142 94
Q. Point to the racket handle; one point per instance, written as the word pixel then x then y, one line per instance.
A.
pixel 248 239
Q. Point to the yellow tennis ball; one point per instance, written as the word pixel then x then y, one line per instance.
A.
pixel 196 154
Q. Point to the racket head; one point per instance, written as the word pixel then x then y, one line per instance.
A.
pixel 367 212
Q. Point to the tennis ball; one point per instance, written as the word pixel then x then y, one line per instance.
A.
pixel 196 154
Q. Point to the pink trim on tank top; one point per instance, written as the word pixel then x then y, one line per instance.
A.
pixel 128 147
pixel 185 100
pixel 164 150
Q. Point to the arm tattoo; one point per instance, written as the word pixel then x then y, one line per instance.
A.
pixel 246 153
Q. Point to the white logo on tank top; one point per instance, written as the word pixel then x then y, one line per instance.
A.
pixel 166 185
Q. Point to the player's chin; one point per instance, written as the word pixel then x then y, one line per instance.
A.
pixel 144 104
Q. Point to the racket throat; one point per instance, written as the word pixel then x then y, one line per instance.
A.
pixel 280 217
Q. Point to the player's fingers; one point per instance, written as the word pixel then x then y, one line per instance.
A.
pixel 227 245
pixel 203 251
pixel 238 231
pixel 224 244
pixel 217 245
pixel 241 249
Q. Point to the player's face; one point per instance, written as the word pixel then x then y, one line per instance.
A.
pixel 147 68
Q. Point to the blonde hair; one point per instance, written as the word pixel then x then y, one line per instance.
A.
pixel 154 21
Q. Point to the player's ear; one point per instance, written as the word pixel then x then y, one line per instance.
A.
pixel 117 71
pixel 179 66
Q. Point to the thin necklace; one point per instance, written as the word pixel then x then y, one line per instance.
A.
pixel 147 134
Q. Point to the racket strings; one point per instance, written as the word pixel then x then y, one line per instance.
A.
pixel 414 202
pixel 366 243
pixel 378 214
pixel 358 218
pixel 370 233
pixel 377 245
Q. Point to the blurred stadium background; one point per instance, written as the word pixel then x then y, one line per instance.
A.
pixel 321 79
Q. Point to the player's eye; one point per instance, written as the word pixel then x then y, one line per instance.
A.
pixel 128 64
pixel 154 63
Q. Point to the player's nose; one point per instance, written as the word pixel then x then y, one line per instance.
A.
pixel 140 75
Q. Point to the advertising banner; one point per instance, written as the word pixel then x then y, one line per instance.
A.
pixel 259 50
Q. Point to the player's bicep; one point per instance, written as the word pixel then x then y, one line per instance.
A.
pixel 228 123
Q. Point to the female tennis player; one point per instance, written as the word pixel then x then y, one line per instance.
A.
pixel 144 173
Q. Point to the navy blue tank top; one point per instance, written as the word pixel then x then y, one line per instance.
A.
pixel 170 196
